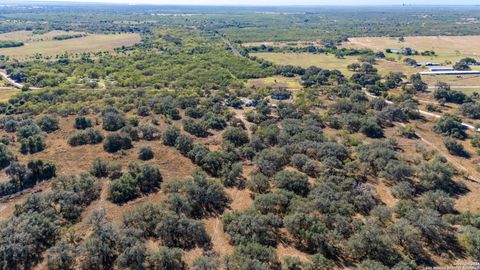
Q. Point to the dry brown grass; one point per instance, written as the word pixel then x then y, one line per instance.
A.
pixel 7 92
pixel 74 160
pixel 29 36
pixel 443 45
pixel 90 43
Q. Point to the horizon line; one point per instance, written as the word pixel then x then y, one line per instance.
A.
pixel 239 5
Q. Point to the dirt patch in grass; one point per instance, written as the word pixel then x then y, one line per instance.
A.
pixel 284 251
pixel 221 245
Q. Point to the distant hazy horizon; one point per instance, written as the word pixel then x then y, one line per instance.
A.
pixel 277 2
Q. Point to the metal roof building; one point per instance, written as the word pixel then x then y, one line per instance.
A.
pixel 451 72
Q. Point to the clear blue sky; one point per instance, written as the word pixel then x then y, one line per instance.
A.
pixel 284 2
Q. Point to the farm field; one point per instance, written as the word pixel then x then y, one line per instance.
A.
pixel 30 36
pixel 328 61
pixel 90 43
pixel 450 48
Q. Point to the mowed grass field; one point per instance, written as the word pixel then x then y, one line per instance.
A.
pixel 329 61
pixel 276 81
pixel 451 48
pixel 90 43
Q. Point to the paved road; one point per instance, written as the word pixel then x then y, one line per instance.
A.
pixel 229 44
pixel 429 114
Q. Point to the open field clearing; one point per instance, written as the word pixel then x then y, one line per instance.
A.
pixel 7 92
pixel 91 43
pixel 466 83
pixel 447 45
pixel 451 48
pixel 306 60
pixel 328 61
pixel 275 82
pixel 29 36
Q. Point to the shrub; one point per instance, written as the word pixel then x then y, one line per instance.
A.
pixel 194 112
pixel 450 125
pixel 115 142
pixel 140 179
pixel 236 136
pixel 143 111
pixel 252 256
pixel 87 136
pixel 82 122
pixel 48 123
pixel 166 258
pixel 5 156
pixel 178 231
pixel 205 263
pixel 147 177
pixel 299 160
pixel 145 152
pixel 444 93
pixel 184 144
pixel 403 190
pixel 471 240
pixel 471 110
pixel 247 226
pixel 28 131
pixel 99 168
pixel 258 183
pixel 214 121
pixel 113 121
pixel 201 195
pixel 371 128
pixel 32 144
pixel 455 148
pixel 123 189
pixel 407 132
pixel 292 181
pixel 436 174
pixel 149 132
pixel 195 128
pixel 170 136
pixel 61 256
pixel 475 142
pixel 270 160
pixel 439 201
